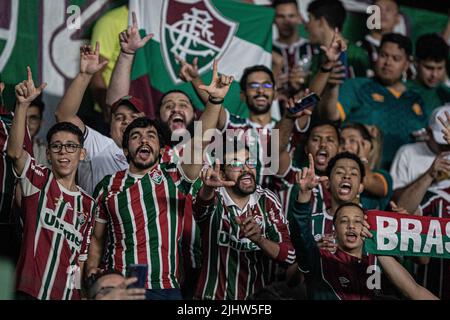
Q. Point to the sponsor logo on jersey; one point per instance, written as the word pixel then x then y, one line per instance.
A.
pixel 344 281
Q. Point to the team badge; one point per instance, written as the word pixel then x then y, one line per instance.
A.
pixel 193 28
pixel 156 176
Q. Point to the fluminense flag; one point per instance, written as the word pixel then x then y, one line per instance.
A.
pixel 408 235
pixel 238 34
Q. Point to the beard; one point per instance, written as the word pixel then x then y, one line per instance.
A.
pixel 244 192
pixel 142 165
pixel 256 109
pixel 168 133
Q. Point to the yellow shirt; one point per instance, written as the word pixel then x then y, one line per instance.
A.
pixel 106 32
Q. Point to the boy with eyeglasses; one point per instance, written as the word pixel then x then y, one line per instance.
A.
pixel 242 228
pixel 57 214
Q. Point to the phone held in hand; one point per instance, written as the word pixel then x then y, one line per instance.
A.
pixel 306 102
pixel 344 60
pixel 140 271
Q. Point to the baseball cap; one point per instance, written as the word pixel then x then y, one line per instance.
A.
pixel 130 101
pixel 436 126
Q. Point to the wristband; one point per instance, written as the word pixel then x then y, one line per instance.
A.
pixel 215 100
pixel 325 70
pixel 129 53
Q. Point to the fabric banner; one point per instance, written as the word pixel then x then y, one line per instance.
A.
pixel 408 235
pixel 238 34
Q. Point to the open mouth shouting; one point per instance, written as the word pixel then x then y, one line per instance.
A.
pixel 247 180
pixel 321 157
pixel 351 236
pixel 177 121
pixel 144 152
pixel 345 188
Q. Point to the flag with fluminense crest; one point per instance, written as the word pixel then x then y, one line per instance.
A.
pixel 238 34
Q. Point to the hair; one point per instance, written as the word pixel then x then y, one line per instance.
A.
pixel 158 110
pixel 360 128
pixel 331 10
pixel 431 46
pixel 346 155
pixel 321 123
pixel 67 127
pixel 402 42
pixel 237 144
pixel 344 205
pixel 91 283
pixel 144 122
pixel 276 3
pixel 253 69
pixel 37 102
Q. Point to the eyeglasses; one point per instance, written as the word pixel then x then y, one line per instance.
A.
pixel 238 165
pixel 70 147
pixel 257 85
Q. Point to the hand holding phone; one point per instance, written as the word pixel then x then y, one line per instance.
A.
pixel 308 101
pixel 344 60
pixel 139 271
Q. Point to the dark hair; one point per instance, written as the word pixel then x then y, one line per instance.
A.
pixel 346 155
pixel 431 46
pixel 276 3
pixel 402 42
pixel 237 143
pixel 360 127
pixel 344 205
pixel 321 123
pixel 37 102
pixel 91 282
pixel 67 127
pixel 158 110
pixel 144 122
pixel 331 10
pixel 253 69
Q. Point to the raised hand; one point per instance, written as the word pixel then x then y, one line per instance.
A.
pixel 365 233
pixel 336 47
pixel 188 72
pixel 307 179
pixel 26 92
pixel 290 104
pixel 363 150
pixel 397 209
pixel 130 39
pixel 219 85
pixel 211 177
pixel 249 228
pixel 90 60
pixel 446 123
pixel 327 241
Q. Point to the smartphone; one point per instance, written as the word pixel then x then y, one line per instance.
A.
pixel 140 271
pixel 344 60
pixel 308 101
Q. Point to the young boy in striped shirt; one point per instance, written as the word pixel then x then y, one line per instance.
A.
pixel 58 215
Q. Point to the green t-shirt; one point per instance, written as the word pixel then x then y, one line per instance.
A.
pixel 367 101
pixel 433 97
pixel 370 202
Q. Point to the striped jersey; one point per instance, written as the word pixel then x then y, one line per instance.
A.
pixel 7 179
pixel 233 267
pixel 144 221
pixel 57 226
pixel 435 276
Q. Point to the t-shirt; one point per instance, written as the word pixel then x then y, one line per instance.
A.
pixel 57 228
pixel 144 221
pixel 106 32
pixel 233 267
pixel 367 101
pixel 412 161
pixel 103 158
pixel 433 97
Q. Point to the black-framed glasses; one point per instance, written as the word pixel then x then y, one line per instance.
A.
pixel 70 147
pixel 257 85
pixel 239 165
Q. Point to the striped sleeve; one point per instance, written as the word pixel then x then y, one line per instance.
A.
pixel 101 213
pixel 33 177
pixel 280 224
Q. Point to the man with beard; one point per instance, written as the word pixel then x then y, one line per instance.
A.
pixel 141 208
pixel 383 101
pixel 243 230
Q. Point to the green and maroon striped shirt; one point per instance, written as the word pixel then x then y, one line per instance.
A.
pixel 234 267
pixel 144 221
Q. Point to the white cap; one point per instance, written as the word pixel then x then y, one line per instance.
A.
pixel 436 126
